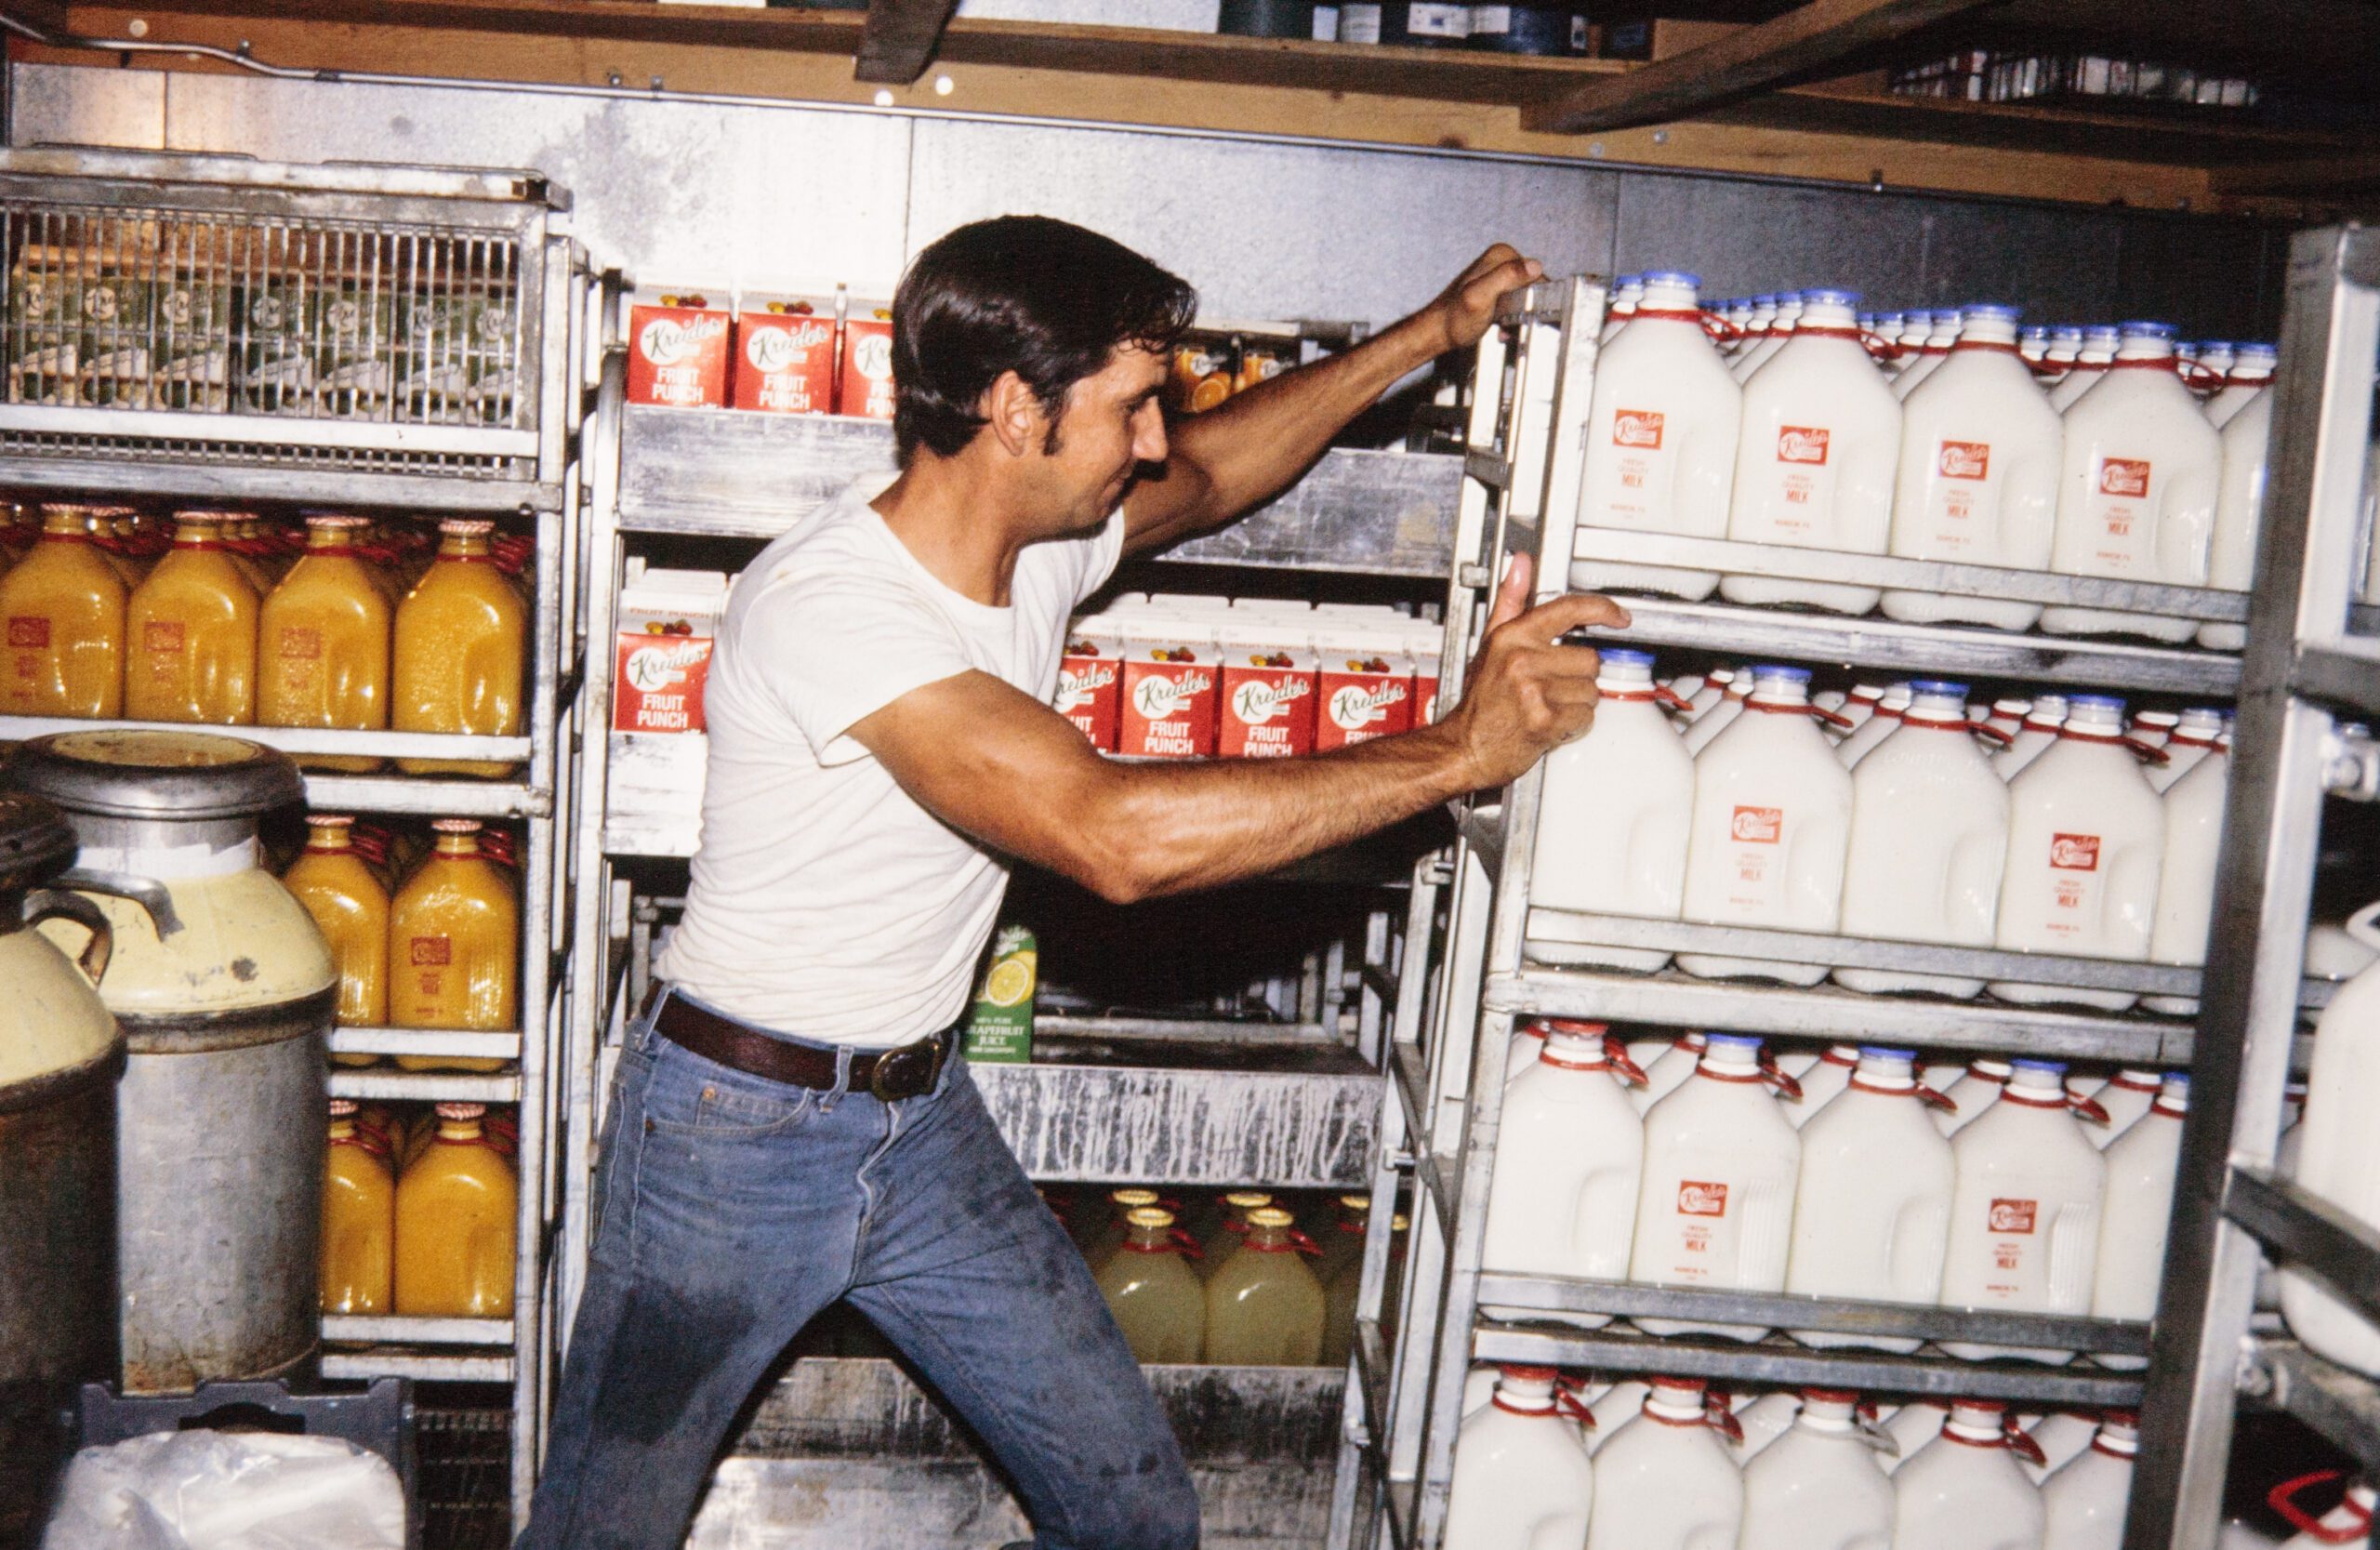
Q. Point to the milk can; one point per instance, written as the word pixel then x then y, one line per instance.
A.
pixel 225 992
pixel 60 1057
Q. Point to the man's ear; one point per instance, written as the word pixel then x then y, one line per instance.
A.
pixel 1014 414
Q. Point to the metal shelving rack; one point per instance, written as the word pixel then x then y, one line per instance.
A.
pixel 424 355
pixel 2306 667
pixel 1417 1341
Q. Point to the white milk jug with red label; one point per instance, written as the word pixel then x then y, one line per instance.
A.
pixel 2339 1156
pixel 1969 1093
pixel 1716 1207
pixel 1568 1169
pixel 1814 468
pixel 2123 1098
pixel 1853 713
pixel 1824 1077
pixel 2087 838
pixel 1820 1486
pixel 2059 1437
pixel 1522 1481
pixel 1664 1480
pixel 2251 373
pixel 2141 1165
pixel 2083 1503
pixel 1760 351
pixel 2006 719
pixel 1520 1052
pixel 2025 1215
pixel 1708 725
pixel 1964 1490
pixel 2246 438
pixel 1772 819
pixel 1881 724
pixel 1662 433
pixel 1942 334
pixel 2348 1524
pixel 1929 832
pixel 2039 731
pixel 1668 1071
pixel 2136 495
pixel 1979 450
pixel 1627 294
pixel 2097 352
pixel 1872 1211
pixel 1611 828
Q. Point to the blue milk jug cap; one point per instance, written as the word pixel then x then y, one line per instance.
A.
pixel 1772 669
pixel 1992 310
pixel 1731 1042
pixel 1626 656
pixel 1883 1052
pixel 1665 277
pixel 1831 298
pixel 1938 686
pixel 2056 1067
pixel 2136 328
pixel 2104 702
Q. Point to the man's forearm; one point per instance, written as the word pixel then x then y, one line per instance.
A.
pixel 1196 825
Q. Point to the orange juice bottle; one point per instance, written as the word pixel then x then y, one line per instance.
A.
pixel 191 633
pixel 323 644
pixel 455 1223
pixel 359 1218
pixel 454 947
pixel 114 533
pixel 63 610
pixel 349 904
pixel 241 538
pixel 462 639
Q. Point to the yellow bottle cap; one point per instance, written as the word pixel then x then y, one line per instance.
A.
pixel 1247 1200
pixel 1134 1197
pixel 1148 1217
pixel 1270 1217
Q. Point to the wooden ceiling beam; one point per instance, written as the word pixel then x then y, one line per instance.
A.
pixel 900 39
pixel 1812 38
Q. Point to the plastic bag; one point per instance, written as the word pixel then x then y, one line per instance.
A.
pixel 228 1490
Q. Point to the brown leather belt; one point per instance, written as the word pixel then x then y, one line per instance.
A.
pixel 906 1072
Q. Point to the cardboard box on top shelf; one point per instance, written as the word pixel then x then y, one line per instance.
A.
pixel 1090 679
pixel 1661 38
pixel 661 662
pixel 866 387
pixel 679 338
pixel 785 354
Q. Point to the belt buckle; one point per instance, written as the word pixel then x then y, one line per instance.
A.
pixel 893 1077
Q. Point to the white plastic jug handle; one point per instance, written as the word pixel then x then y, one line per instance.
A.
pixel 2365 926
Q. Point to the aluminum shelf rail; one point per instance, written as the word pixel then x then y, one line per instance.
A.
pixel 1765 634
pixel 2299 666
pixel 731 473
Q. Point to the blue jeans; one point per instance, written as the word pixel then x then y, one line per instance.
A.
pixel 731 1209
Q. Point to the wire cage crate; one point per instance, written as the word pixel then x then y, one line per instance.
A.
pixel 217 310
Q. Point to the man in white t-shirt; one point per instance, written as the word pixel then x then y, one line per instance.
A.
pixel 787 1127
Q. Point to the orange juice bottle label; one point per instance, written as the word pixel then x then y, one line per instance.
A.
pixel 28 634
pixel 301 643
pixel 163 635
pixel 432 952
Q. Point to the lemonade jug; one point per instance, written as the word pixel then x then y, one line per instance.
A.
pixel 1230 1229
pixel 461 641
pixel 191 633
pixel 1264 1306
pixel 1122 1203
pixel 323 644
pixel 340 891
pixel 1522 1481
pixel 1157 1302
pixel 456 1209
pixel 63 609
pixel 455 946
pixel 359 1218
pixel 1343 1280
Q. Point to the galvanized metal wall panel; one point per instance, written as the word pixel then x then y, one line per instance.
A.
pixel 52 104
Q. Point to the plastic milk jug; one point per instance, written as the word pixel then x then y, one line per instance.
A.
pixel 2084 1502
pixel 1978 484
pixel 1762 1421
pixel 1854 712
pixel 2065 345
pixel 1627 294
pixel 1661 436
pixel 2246 438
pixel 1819 1486
pixel 2136 493
pixel 2059 1437
pixel 2251 373
pixel 1880 725
pixel 2090 367
pixel 1668 1071
pixel 2007 718
pixel 2124 1098
pixel 2040 729
pixel 1614 1409
pixel 2339 1156
pixel 1611 830
pixel 1567 1168
pixel 1716 1208
pixel 1929 830
pixel 1772 820
pixel 1705 695
pixel 1665 1481
pixel 1872 1211
pixel 2186 882
pixel 1781 329
pixel 2086 837
pixel 2197 735
pixel 1709 723
pixel 1814 468
pixel 1970 1092
pixel 1521 1480
pixel 2025 1216
pixel 2141 1164
pixel 1528 1037
pixel 1911 1427
pixel 1826 1077
pixel 1965 1490
pixel 1933 353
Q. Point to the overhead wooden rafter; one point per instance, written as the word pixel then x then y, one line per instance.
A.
pixel 900 39
pixel 1809 39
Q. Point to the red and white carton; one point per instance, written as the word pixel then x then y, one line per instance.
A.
pixel 1090 681
pixel 785 356
pixel 1172 684
pixel 661 663
pixel 1367 676
pixel 866 386
pixel 1426 645
pixel 678 351
pixel 1270 680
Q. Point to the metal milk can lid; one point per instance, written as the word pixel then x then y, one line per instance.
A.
pixel 36 843
pixel 159 775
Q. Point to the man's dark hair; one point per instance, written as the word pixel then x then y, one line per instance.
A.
pixel 1043 299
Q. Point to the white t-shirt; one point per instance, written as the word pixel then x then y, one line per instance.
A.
pixel 825 903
